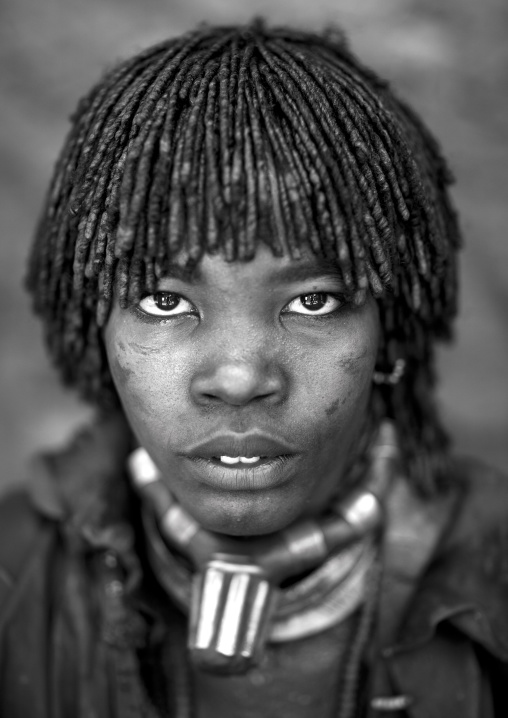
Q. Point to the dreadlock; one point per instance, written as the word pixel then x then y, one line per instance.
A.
pixel 230 136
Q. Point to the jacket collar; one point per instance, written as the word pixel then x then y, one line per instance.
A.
pixel 84 490
pixel 463 578
pixel 444 562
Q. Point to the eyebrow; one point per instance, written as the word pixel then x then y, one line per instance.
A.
pixel 184 274
pixel 308 270
pixel 300 270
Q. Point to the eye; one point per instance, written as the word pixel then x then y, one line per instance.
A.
pixel 166 304
pixel 313 304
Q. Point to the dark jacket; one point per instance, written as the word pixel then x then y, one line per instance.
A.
pixel 80 616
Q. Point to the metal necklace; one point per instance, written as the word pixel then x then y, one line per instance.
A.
pixel 234 597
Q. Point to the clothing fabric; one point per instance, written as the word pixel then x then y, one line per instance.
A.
pixel 85 630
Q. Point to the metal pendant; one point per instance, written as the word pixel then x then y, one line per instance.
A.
pixel 232 602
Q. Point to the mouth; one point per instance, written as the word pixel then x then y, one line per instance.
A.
pixel 243 449
pixel 264 473
pixel 241 462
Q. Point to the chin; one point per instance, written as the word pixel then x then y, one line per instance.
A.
pixel 245 516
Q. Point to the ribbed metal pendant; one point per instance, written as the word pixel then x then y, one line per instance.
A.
pixel 232 602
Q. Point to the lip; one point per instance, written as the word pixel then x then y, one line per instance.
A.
pixel 272 472
pixel 248 445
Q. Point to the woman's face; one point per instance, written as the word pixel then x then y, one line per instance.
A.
pixel 248 385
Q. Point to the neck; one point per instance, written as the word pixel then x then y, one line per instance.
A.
pixel 236 580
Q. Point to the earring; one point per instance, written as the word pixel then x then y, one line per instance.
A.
pixel 394 377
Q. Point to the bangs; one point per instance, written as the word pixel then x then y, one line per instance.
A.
pixel 225 138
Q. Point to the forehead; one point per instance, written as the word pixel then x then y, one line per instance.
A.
pixel 264 268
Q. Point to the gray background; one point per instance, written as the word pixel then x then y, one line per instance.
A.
pixel 449 58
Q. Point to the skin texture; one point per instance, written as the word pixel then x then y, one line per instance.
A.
pixel 243 357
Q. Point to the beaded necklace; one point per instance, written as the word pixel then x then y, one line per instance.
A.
pixel 234 597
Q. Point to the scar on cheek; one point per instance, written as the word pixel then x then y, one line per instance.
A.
pixel 120 372
pixel 344 399
pixel 144 350
pixel 333 408
pixel 354 365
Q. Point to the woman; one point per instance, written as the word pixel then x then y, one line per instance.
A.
pixel 246 256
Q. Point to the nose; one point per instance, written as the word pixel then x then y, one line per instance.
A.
pixel 238 382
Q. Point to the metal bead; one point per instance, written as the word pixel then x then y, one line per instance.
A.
pixel 362 511
pixel 306 544
pixel 142 468
pixel 110 560
pixel 179 526
pixel 386 446
pixel 393 377
pixel 391 704
pixel 158 496
pixel 114 589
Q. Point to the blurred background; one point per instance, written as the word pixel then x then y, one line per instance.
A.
pixel 448 58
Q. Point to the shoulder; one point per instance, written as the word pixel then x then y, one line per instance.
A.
pixel 21 527
pixel 19 521
pixel 482 479
pixel 76 489
pixel 483 507
pixel 468 580
pixel 465 584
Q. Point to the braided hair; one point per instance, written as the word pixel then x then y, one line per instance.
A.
pixel 230 136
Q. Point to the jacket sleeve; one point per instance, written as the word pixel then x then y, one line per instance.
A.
pixel 19 528
pixel 26 548
pixel 494 684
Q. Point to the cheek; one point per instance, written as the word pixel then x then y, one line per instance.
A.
pixel 133 378
pixel 345 394
pixel 121 367
pixel 354 378
pixel 339 387
pixel 149 392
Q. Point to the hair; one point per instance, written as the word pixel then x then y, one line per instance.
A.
pixel 230 136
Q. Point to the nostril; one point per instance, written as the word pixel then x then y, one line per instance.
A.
pixel 211 397
pixel 237 384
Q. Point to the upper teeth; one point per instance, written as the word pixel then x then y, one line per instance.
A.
pixel 239 459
